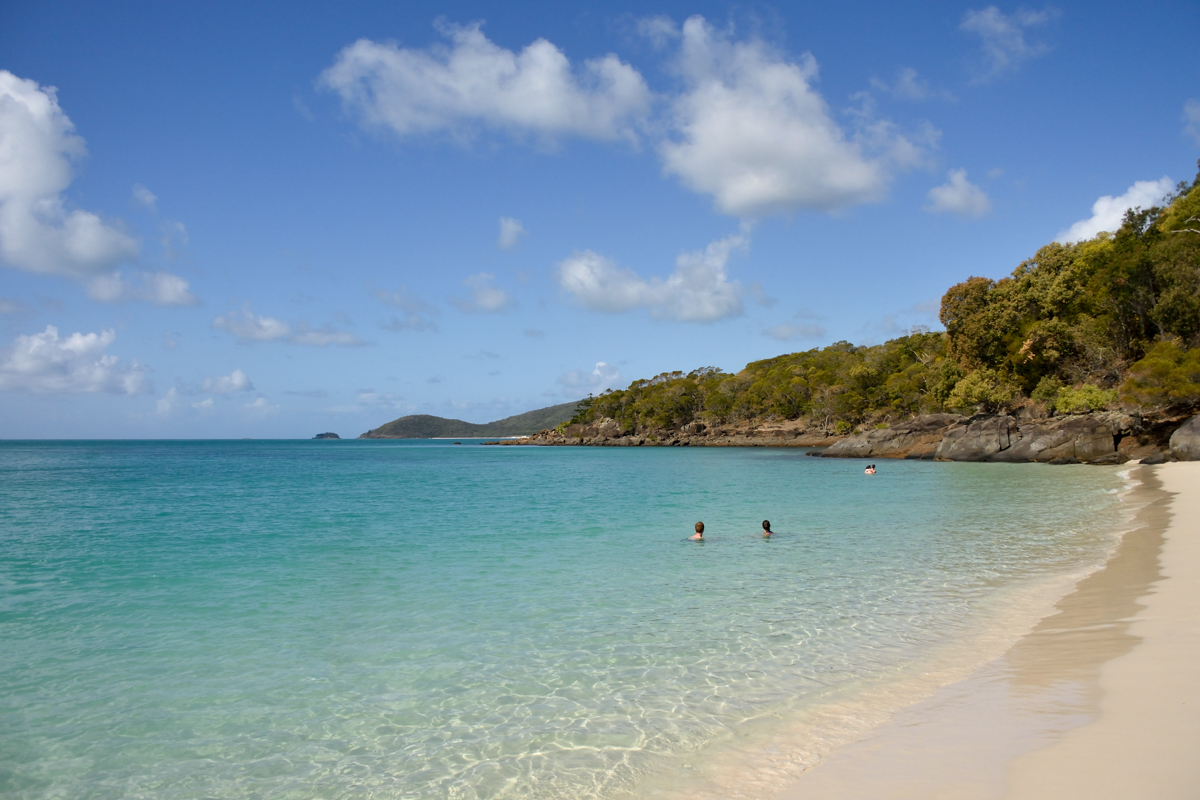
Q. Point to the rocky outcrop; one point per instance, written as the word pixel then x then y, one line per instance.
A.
pixel 1185 442
pixel 1083 438
pixel 917 438
pixel 608 433
pixel 327 435
pixel 1103 438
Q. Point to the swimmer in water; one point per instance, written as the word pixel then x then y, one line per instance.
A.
pixel 699 535
pixel 870 470
pixel 767 529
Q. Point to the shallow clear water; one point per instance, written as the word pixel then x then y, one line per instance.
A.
pixel 420 619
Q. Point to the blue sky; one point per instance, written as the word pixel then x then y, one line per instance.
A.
pixel 272 220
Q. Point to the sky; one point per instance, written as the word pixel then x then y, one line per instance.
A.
pixel 227 220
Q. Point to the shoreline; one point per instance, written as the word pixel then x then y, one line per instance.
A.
pixel 1096 701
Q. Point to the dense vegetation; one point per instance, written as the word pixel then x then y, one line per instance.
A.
pixel 426 426
pixel 1111 321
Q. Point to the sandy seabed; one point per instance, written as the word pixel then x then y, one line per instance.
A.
pixel 1100 700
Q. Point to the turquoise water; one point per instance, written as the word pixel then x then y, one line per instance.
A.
pixel 419 619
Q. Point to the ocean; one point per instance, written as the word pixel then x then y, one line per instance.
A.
pixel 421 619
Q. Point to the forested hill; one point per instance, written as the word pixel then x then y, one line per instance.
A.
pixel 1109 322
pixel 425 426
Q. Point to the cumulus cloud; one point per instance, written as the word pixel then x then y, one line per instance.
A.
pixel 699 289
pixel 236 381
pixel 958 196
pixel 485 298
pixel 248 328
pixel 415 312
pixel 576 382
pixel 47 363
pixel 1108 211
pixel 203 405
pixel 751 131
pixel 471 83
pixel 37 232
pixel 1003 38
pixel 1191 119
pixel 511 233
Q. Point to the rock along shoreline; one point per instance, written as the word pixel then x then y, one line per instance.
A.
pixel 1099 438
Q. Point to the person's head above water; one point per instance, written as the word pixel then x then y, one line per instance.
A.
pixel 699 534
pixel 699 527
pixel 767 525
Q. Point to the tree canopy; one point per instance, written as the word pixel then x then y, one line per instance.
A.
pixel 1077 327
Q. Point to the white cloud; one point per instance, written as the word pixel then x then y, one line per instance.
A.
pixel 204 405
pixel 473 83
pixel 1108 211
pixel 37 232
pixel 144 197
pixel 576 382
pixel 485 298
pixel 236 381
pixel 697 291
pixel 1003 38
pixel 166 404
pixel 511 233
pixel 45 363
pixel 159 288
pixel 751 131
pixel 958 196
pixel 1191 119
pixel 248 328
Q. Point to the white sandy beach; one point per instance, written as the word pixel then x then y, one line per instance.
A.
pixel 1101 700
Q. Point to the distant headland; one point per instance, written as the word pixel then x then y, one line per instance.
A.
pixel 427 426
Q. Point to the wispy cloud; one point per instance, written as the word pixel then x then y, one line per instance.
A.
pixel 248 329
pixel 511 233
pixel 485 298
pixel 1191 119
pixel 415 312
pixel 1002 38
pixel 806 326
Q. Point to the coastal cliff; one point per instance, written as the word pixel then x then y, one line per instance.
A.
pixel 1100 438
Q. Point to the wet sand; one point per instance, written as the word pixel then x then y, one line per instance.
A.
pixel 1101 700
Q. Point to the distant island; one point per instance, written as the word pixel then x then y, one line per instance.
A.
pixel 427 426
pixel 327 435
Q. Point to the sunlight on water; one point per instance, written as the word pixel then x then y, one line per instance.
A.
pixel 418 619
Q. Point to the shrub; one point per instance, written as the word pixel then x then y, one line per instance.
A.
pixel 1168 374
pixel 982 389
pixel 1084 398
